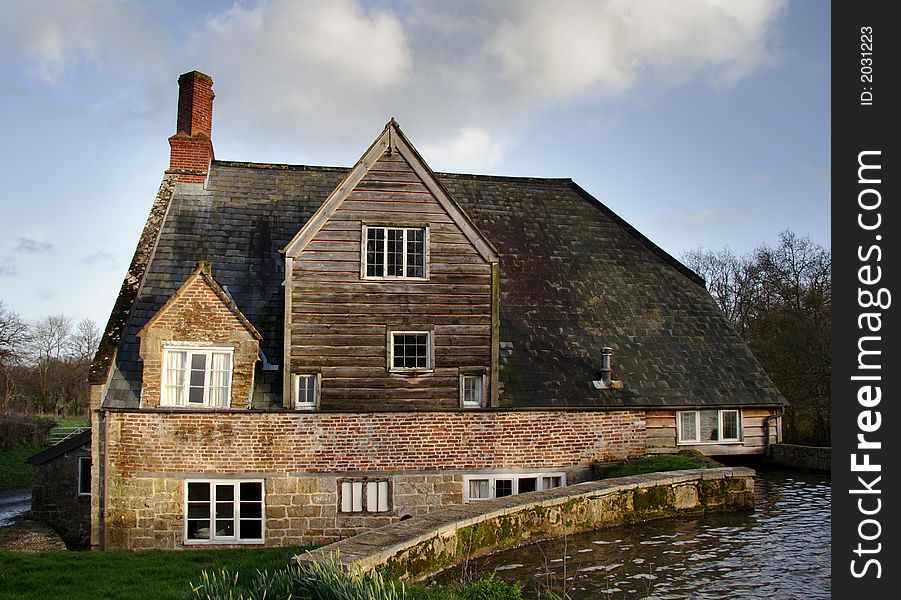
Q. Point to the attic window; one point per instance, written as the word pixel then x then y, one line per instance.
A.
pixel 196 376
pixel 394 253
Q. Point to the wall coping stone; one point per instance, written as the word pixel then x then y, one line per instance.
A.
pixel 377 547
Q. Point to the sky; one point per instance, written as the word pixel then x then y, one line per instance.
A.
pixel 703 123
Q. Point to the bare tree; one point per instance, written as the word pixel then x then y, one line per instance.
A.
pixel 49 343
pixel 84 340
pixel 13 337
pixel 780 301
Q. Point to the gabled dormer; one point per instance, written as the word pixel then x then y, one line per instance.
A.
pixel 198 350
pixel 390 294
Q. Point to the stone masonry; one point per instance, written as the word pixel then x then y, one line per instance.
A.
pixel 302 457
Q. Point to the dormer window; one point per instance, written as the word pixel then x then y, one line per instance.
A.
pixel 395 253
pixel 196 376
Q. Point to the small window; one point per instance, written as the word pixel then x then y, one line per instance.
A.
pixel 409 351
pixel 306 391
pixel 708 426
pixel 485 487
pixel 472 391
pixel 227 512
pixel 394 252
pixel 365 496
pixel 84 475
pixel 196 376
pixel 479 489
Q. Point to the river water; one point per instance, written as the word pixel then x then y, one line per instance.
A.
pixel 781 549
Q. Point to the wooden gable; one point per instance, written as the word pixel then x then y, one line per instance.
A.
pixel 339 322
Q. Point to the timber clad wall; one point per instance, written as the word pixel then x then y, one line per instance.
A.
pixel 661 433
pixel 339 322
pixel 301 456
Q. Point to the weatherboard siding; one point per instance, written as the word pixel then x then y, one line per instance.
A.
pixel 340 322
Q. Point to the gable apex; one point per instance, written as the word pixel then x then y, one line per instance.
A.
pixel 392 140
pixel 202 273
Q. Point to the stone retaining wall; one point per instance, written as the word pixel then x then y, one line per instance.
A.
pixel 419 547
pixel 818 458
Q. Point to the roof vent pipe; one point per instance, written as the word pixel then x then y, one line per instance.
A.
pixel 606 368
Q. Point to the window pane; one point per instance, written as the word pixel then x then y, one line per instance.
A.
pixel 550 483
pixel 395 266
pixel 383 496
pixel 472 390
pixel 84 475
pixel 689 427
pixel 346 497
pixel 198 491
pixel 251 529
pixel 251 510
pixel 175 378
pixel 730 425
pixel 220 379
pixel 372 496
pixel 357 488
pixel 528 484
pixel 306 390
pixel 478 488
pixel 710 425
pixel 375 252
pixel 225 492
pixel 415 253
pixel 198 510
pixel 503 487
pixel 199 530
pixel 251 490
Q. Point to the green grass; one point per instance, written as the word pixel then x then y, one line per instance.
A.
pixel 72 422
pixel 14 471
pixel 687 459
pixel 153 575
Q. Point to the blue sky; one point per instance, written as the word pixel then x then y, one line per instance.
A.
pixel 702 123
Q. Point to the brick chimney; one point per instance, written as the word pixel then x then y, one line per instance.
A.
pixel 191 146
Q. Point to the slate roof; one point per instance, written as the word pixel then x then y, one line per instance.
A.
pixel 55 451
pixel 574 277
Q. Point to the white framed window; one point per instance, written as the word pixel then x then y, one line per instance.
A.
pixel 394 253
pixel 224 512
pixel 365 496
pixel 708 426
pixel 197 376
pixel 409 351
pixel 306 391
pixel 472 390
pixel 487 486
pixel 84 475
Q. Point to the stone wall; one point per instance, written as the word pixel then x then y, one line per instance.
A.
pixel 416 548
pixel 806 457
pixel 302 456
pixel 55 499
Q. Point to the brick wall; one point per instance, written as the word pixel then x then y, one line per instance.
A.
pixel 198 314
pixel 301 457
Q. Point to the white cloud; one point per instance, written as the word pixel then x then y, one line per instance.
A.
pixel 54 36
pixel 563 50
pixel 471 148
pixel 32 246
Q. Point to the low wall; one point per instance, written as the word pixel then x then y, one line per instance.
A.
pixel 818 458
pixel 419 547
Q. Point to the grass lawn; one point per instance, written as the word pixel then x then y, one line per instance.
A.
pixel 687 459
pixel 14 471
pixel 72 422
pixel 154 575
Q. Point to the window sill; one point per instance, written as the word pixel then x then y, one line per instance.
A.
pixel 723 443
pixel 224 542
pixel 411 371
pixel 370 278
